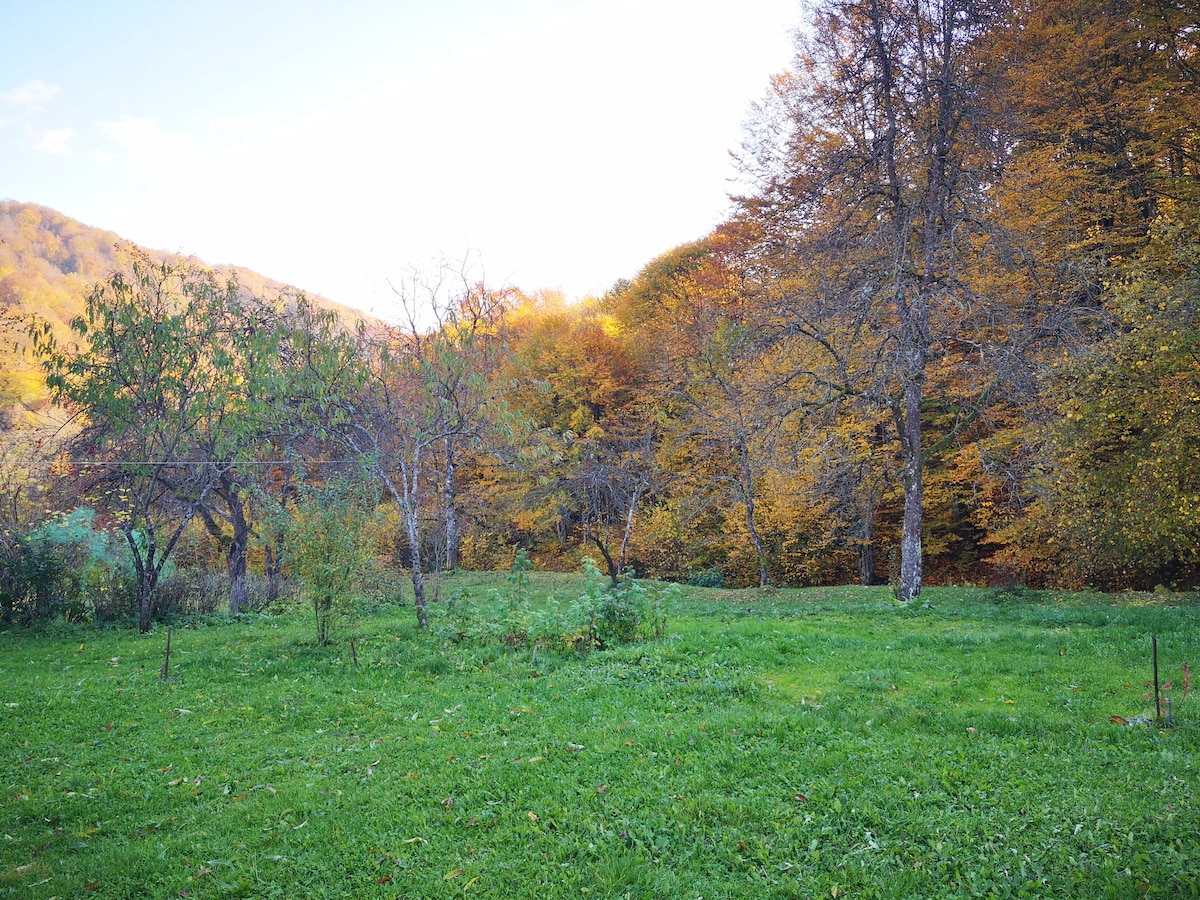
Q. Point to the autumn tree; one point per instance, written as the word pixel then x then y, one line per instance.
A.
pixel 1091 159
pixel 612 471
pixel 469 345
pixel 422 389
pixel 1102 183
pixel 732 422
pixel 571 384
pixel 874 166
pixel 1124 477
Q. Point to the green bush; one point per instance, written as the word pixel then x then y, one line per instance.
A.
pixel 67 568
pixel 629 612
pixel 601 616
pixel 31 583
pixel 328 548
pixel 711 577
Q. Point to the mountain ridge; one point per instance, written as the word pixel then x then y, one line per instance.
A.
pixel 49 263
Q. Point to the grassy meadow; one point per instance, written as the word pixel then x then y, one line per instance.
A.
pixel 819 743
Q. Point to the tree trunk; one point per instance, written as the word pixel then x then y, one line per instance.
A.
pixel 143 566
pixel 747 488
pixel 914 489
pixel 273 554
pixel 866 550
pixel 763 579
pixel 273 568
pixel 613 569
pixel 633 504
pixel 144 592
pixel 407 501
pixel 451 498
pixel 236 554
pixel 412 527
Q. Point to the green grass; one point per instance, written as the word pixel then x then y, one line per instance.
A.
pixel 817 743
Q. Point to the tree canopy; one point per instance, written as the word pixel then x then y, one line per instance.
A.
pixel 947 333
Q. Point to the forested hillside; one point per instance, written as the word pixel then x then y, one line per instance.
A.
pixel 948 335
pixel 49 263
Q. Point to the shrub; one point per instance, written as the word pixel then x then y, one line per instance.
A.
pixel 31 585
pixel 67 568
pixel 601 616
pixel 629 612
pixel 711 577
pixel 328 548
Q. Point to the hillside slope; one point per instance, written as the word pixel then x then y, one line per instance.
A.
pixel 49 263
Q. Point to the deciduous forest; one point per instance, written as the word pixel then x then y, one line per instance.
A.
pixel 947 335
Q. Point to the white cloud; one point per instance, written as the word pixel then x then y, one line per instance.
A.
pixel 141 144
pixel 230 123
pixel 30 96
pixel 57 142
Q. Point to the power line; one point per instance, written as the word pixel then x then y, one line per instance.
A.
pixel 182 462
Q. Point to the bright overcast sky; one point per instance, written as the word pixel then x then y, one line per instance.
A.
pixel 332 144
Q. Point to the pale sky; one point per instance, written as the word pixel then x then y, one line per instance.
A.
pixel 332 145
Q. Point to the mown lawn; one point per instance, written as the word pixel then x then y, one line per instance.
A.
pixel 818 743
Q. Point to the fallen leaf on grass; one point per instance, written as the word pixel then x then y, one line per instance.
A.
pixel 384 880
pixel 92 885
pixel 452 874
pixel 533 817
pixel 414 840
